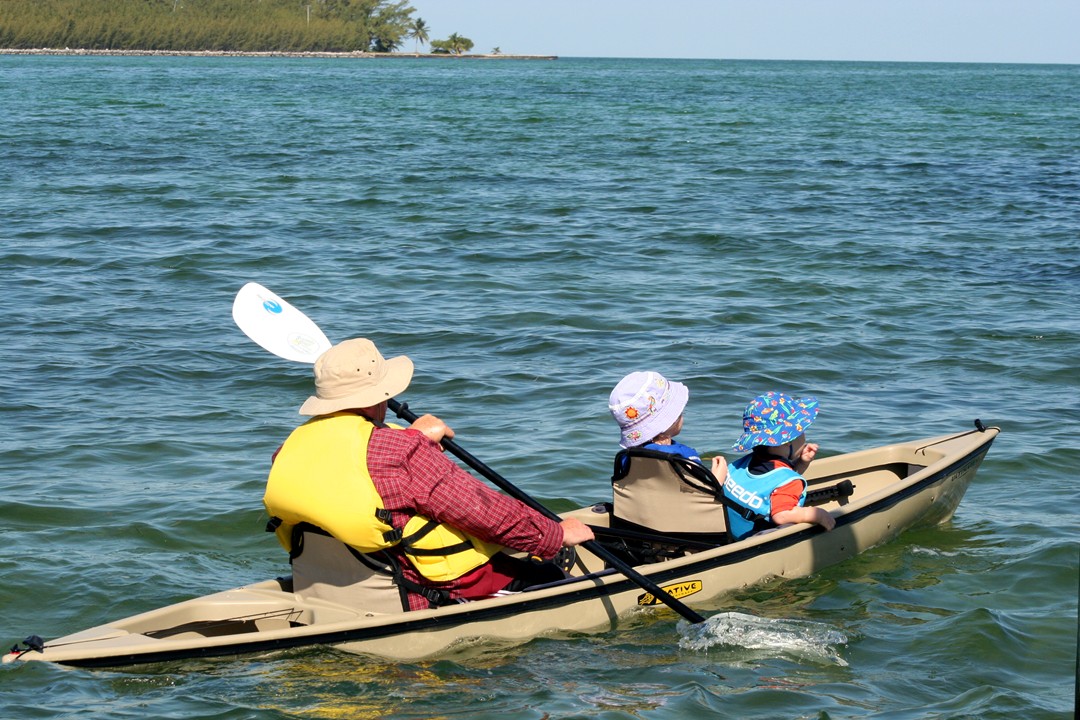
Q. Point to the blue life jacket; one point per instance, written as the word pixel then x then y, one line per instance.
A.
pixel 754 494
pixel 676 448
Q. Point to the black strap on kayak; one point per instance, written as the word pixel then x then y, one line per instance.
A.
pixel 632 531
pixel 435 596
pixel 386 564
pixel 380 562
pixel 979 428
pixel 31 643
pixel 693 474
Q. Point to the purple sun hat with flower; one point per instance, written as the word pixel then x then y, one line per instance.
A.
pixel 775 418
pixel 646 404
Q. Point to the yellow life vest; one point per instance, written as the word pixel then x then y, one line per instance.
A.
pixel 440 552
pixel 320 477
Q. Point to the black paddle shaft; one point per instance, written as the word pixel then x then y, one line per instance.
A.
pixel 402 411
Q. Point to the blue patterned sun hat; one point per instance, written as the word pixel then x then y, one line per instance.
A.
pixel 775 418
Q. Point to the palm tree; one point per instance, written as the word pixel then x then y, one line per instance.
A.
pixel 419 32
pixel 459 44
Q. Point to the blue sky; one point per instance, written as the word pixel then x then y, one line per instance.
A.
pixel 1025 31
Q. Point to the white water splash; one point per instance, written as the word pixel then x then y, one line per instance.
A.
pixel 933 552
pixel 765 637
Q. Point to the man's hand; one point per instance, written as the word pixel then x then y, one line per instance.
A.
pixel 575 532
pixel 433 428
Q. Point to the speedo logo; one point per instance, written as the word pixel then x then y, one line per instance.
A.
pixel 677 590
pixel 746 497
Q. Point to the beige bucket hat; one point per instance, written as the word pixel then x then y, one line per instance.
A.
pixel 354 374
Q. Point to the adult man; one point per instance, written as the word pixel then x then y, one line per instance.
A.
pixel 379 489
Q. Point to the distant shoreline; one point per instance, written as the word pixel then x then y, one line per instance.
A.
pixel 270 53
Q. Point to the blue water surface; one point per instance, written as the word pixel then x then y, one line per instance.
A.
pixel 900 240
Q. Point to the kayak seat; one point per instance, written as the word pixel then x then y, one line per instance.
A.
pixel 669 495
pixel 323 567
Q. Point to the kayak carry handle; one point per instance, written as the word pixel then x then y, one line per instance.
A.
pixel 839 491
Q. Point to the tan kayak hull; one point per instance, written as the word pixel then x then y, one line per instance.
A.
pixel 897 487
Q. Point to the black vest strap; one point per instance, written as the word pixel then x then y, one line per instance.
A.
pixel 408 543
pixel 392 567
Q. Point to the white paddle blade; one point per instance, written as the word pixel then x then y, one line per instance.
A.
pixel 277 326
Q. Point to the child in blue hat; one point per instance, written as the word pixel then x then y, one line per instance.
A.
pixel 767 482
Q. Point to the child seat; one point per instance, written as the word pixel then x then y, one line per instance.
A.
pixel 667 494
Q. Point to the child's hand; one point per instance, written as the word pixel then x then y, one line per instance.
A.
pixel 808 453
pixel 719 468
pixel 823 518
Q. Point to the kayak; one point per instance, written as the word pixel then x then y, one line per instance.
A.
pixel 874 495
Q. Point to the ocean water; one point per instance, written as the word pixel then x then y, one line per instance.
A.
pixel 900 240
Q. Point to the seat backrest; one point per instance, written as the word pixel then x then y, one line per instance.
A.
pixel 666 493
pixel 328 569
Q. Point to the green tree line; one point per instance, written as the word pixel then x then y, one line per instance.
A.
pixel 223 25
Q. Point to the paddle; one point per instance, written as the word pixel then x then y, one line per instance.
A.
pixel 276 326
pixel 281 329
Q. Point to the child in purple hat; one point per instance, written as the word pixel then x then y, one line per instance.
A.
pixel 649 410
pixel 767 482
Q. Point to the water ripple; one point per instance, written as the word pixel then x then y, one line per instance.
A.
pixel 899 240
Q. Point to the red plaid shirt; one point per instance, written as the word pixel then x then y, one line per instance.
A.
pixel 414 478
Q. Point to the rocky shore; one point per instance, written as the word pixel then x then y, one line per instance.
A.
pixel 269 53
